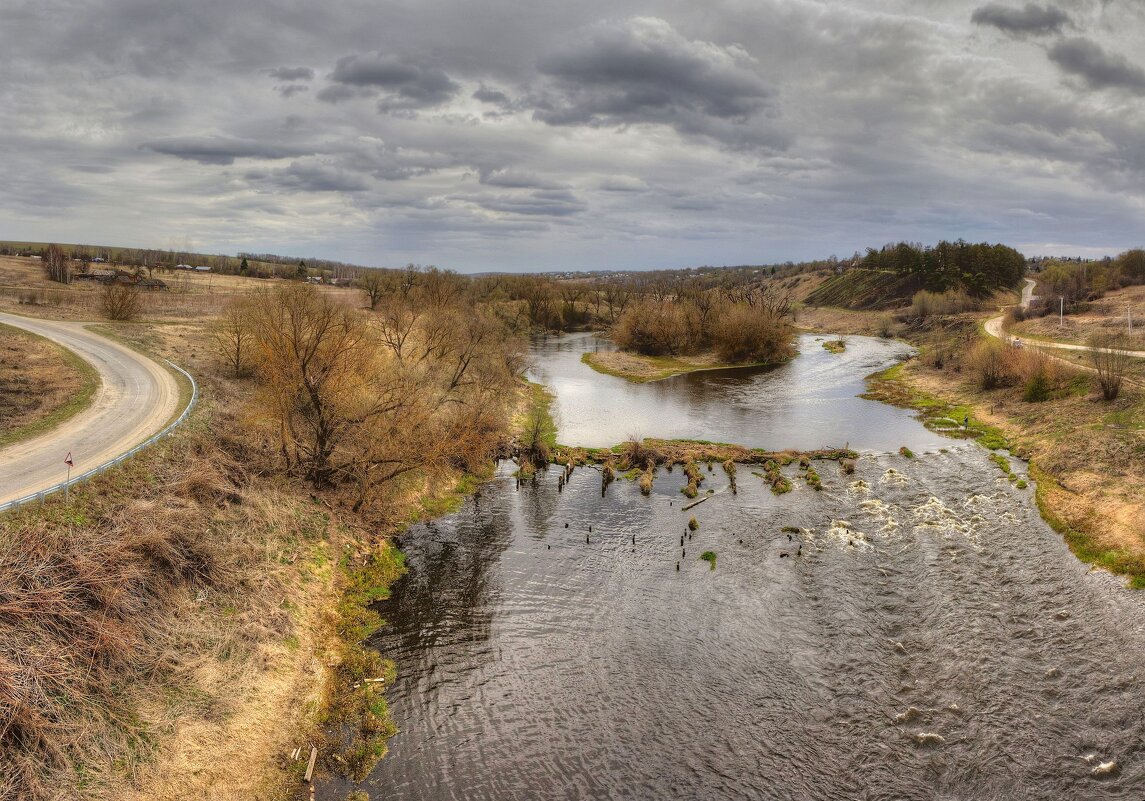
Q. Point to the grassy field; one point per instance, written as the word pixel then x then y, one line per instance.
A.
pixel 41 385
pixel 191 296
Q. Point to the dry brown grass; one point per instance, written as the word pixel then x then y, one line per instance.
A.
pixel 37 380
pixel 166 636
pixel 143 602
pixel 1107 315
pixel 191 296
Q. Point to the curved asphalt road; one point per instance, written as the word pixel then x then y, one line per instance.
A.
pixel 993 327
pixel 135 400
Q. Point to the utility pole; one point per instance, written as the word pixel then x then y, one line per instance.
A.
pixel 1061 313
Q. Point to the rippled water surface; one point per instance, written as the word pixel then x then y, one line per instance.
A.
pixel 923 635
pixel 808 403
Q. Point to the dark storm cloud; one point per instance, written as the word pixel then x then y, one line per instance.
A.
pixel 643 70
pixel 1099 69
pixel 336 93
pixel 1030 20
pixel 313 176
pixel 487 95
pixel 292 73
pixel 545 202
pixel 219 149
pixel 556 135
pixel 406 82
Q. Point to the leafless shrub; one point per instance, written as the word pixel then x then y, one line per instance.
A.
pixel 745 334
pixel 233 336
pixel 987 361
pixel 119 301
pixel 653 328
pixel 955 301
pixel 1110 358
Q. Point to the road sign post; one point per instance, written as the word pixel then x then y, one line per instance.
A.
pixel 67 484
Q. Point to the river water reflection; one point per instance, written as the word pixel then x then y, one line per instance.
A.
pixel 808 403
pixel 922 635
pixel 912 631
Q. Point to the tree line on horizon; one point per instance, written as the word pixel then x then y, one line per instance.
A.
pixel 977 269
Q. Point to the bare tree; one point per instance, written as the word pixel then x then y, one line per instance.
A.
pixel 233 336
pixel 1109 355
pixel 56 265
pixel 120 301
pixel 373 285
pixel 616 297
pixel 537 293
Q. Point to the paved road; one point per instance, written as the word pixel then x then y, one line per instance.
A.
pixel 136 399
pixel 994 327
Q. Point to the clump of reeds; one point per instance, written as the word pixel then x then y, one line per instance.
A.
pixel 695 478
pixel 693 524
pixel 812 478
pixel 646 479
pixel 730 469
pixel 779 482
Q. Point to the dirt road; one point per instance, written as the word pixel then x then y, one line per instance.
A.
pixel 136 398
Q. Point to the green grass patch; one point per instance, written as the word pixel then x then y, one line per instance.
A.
pixel 1002 462
pixel 907 452
pixel 949 419
pixel 835 346
pixel 710 558
pixel 780 484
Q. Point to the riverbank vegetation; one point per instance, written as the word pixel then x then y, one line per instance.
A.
pixel 223 579
pixel 1085 451
pixel 737 326
pixel 642 369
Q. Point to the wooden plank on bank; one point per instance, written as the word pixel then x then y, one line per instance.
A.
pixel 310 767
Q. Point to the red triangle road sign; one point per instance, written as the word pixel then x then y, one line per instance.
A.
pixel 68 460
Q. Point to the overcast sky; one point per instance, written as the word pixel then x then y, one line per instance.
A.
pixel 537 135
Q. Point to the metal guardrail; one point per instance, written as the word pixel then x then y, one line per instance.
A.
pixel 118 460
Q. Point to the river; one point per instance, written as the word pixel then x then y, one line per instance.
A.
pixel 810 402
pixel 917 633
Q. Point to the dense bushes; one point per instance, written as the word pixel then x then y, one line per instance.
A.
pixel 736 331
pixel 654 328
pixel 994 365
pixel 742 334
pixel 954 301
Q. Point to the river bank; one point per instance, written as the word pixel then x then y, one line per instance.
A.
pixel 640 369
pixel 1087 455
